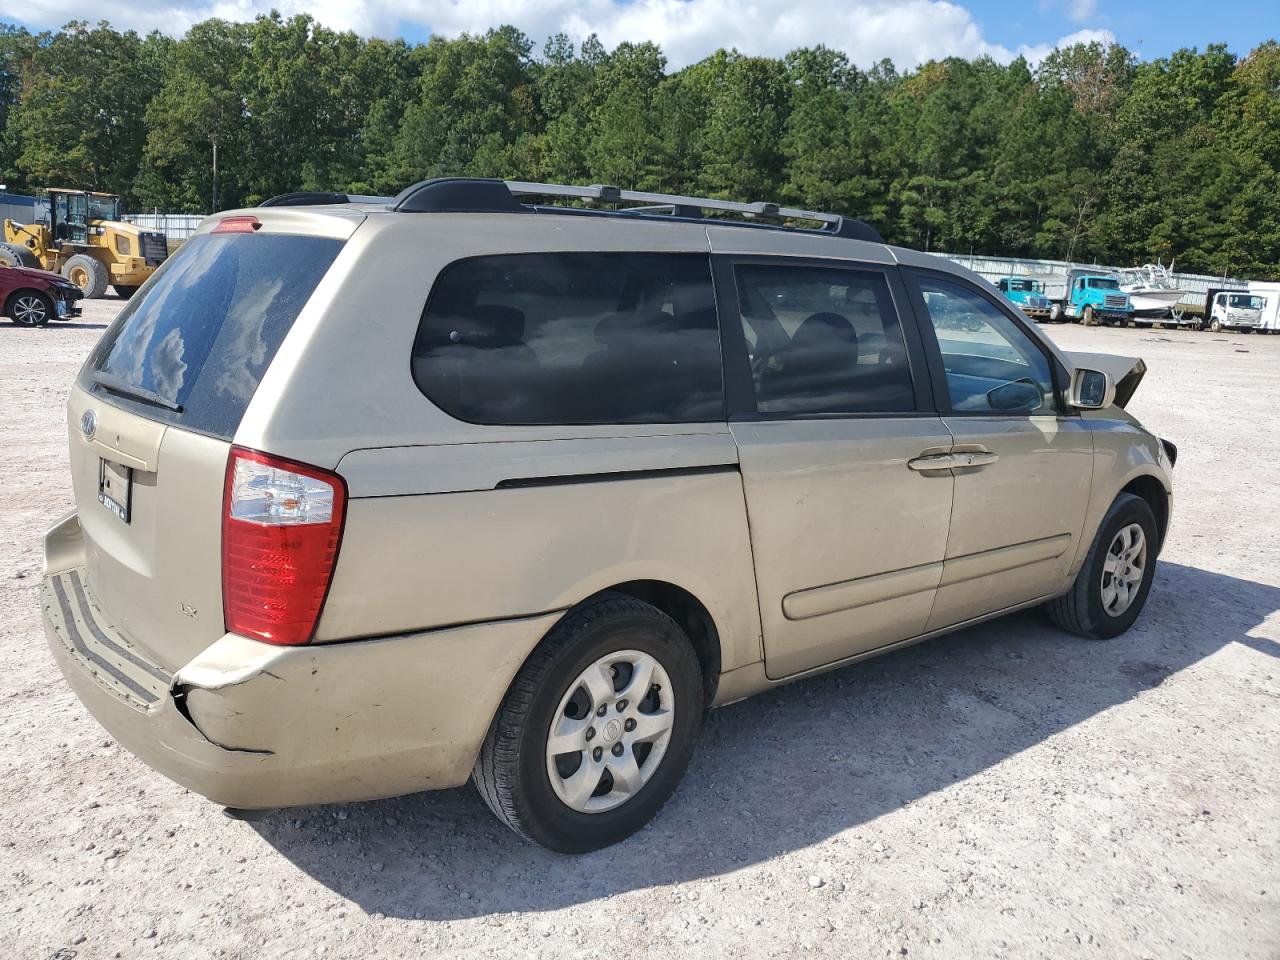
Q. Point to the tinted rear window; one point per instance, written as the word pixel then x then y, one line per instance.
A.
pixel 206 329
pixel 561 338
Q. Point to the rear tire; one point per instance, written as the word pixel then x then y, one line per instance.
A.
pixel 1112 585
pixel 29 308
pixel 88 274
pixel 16 255
pixel 516 766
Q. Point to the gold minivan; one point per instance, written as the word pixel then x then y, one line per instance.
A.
pixel 512 482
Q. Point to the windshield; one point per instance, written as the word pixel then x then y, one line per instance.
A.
pixel 1243 302
pixel 104 208
pixel 1104 283
pixel 192 347
pixel 1027 286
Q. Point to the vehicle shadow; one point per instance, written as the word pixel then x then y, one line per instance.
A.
pixel 789 768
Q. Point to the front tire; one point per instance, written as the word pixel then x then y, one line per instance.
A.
pixel 88 274
pixel 124 292
pixel 1088 316
pixel 27 308
pixel 597 728
pixel 1112 585
pixel 16 255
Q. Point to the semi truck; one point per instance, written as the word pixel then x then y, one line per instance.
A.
pixel 1028 294
pixel 1093 297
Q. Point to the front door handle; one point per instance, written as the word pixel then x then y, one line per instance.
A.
pixel 964 460
pixel 976 458
pixel 935 461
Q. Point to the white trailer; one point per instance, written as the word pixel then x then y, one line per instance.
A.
pixel 1270 293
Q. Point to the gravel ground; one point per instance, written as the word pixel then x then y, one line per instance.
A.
pixel 1004 792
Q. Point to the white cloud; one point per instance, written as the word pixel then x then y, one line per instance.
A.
pixel 907 31
pixel 1082 10
pixel 1038 52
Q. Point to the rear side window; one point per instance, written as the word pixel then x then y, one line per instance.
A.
pixel 192 348
pixel 572 338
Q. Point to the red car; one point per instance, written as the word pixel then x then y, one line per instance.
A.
pixel 31 298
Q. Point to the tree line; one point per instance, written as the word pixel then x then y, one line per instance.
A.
pixel 1093 154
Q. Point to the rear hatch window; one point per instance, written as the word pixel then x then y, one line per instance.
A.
pixel 192 348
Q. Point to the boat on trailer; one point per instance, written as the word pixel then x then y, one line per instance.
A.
pixel 1153 292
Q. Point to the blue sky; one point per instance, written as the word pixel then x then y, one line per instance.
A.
pixel 907 31
pixel 1154 29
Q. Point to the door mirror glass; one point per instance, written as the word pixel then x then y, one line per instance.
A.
pixel 1091 389
pixel 1016 396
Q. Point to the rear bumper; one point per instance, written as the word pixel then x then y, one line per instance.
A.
pixel 251 725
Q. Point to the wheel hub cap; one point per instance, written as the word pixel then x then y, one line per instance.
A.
pixel 610 732
pixel 1123 569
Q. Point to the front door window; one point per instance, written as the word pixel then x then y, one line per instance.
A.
pixel 992 364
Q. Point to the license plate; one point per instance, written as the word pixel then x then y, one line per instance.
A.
pixel 115 488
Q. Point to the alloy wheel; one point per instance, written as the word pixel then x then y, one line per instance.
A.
pixel 30 310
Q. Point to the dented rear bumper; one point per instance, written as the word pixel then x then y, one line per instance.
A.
pixel 252 725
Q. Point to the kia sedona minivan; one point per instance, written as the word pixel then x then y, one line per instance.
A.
pixel 512 482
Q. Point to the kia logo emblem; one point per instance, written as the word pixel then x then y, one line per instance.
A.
pixel 89 424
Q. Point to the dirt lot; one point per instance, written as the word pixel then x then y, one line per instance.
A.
pixel 1005 792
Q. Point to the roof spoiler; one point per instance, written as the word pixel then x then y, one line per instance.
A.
pixel 316 198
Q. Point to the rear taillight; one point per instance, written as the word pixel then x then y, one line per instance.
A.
pixel 281 529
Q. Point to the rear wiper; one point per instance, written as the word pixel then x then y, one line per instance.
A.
pixel 118 385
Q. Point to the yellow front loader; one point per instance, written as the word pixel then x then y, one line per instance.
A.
pixel 80 236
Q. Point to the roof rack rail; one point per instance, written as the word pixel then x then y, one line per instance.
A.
pixel 693 207
pixel 315 198
pixel 478 195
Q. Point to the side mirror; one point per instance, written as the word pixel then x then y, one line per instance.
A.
pixel 1091 390
pixel 1016 396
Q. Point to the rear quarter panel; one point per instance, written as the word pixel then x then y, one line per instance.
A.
pixel 415 562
